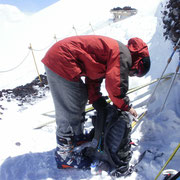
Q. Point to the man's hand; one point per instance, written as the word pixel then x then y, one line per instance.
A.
pixel 133 112
pixel 100 104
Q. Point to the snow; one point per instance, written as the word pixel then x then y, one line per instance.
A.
pixel 27 153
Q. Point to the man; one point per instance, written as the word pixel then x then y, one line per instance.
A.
pixel 96 58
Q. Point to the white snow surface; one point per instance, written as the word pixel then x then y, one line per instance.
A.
pixel 27 153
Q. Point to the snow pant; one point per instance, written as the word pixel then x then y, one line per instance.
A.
pixel 69 99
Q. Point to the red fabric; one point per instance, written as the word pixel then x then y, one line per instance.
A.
pixel 95 57
pixel 80 55
pixel 138 50
pixel 93 89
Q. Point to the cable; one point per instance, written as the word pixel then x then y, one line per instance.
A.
pixel 43 48
pixel 17 65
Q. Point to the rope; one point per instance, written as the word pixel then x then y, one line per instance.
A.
pixel 167 76
pixel 17 65
pixel 3 71
pixel 137 120
pixel 30 47
pixel 169 60
pixel 45 47
pixel 172 82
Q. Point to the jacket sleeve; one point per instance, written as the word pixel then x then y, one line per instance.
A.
pixel 94 87
pixel 117 79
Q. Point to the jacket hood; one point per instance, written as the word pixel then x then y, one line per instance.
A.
pixel 138 49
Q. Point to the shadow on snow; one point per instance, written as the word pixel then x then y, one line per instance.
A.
pixel 37 166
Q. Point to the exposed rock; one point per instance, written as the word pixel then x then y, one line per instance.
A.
pixel 26 93
pixel 171 20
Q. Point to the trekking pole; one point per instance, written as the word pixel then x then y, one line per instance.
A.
pixel 172 82
pixel 170 158
pixel 88 109
pixel 169 60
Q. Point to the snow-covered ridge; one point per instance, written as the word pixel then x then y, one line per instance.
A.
pixel 59 19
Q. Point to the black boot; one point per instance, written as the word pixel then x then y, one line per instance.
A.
pixel 66 158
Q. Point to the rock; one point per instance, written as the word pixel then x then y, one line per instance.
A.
pixel 26 93
pixel 171 20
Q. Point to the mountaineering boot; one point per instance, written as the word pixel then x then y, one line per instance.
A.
pixel 66 158
pixel 83 138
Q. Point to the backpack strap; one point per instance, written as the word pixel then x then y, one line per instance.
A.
pixel 112 134
pixel 99 125
pixel 117 137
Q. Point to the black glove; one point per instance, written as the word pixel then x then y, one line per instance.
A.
pixel 100 104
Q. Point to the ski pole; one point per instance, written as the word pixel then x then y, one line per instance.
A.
pixel 88 109
pixel 172 82
pixel 170 158
pixel 169 60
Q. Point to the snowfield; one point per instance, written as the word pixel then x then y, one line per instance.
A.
pixel 27 153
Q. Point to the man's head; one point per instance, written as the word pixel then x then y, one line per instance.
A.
pixel 142 68
pixel 140 57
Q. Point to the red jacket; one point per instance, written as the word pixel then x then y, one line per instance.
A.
pixel 96 58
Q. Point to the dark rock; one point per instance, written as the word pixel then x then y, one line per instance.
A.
pixel 18 143
pixel 171 20
pixel 27 93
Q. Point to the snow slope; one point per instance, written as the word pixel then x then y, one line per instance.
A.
pixel 27 153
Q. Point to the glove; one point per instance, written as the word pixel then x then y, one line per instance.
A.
pixel 100 104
